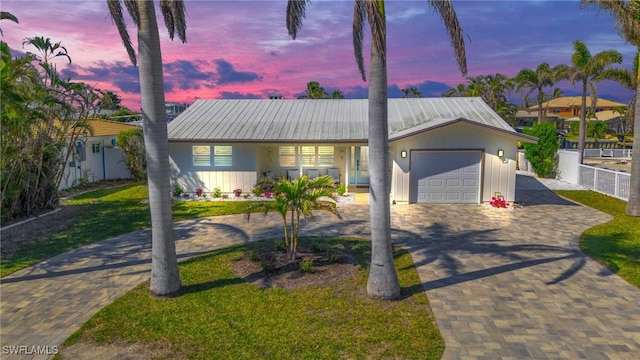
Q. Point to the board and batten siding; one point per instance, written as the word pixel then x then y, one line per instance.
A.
pixel 242 174
pixel 497 176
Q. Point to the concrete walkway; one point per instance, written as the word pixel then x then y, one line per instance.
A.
pixel 503 284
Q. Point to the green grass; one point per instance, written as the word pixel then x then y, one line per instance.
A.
pixel 219 316
pixel 615 244
pixel 105 213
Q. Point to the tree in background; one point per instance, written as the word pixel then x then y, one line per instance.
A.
pixel 493 89
pixel 627 16
pixel 44 122
pixel 165 278
pixel 337 94
pixel 597 129
pixel 383 280
pixel 315 91
pixel 411 92
pixel 110 100
pixel 587 70
pixel 530 81
pixel 542 155
pixel 124 115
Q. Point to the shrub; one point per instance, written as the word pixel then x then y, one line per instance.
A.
pixel 498 202
pixel 334 258
pixel 132 144
pixel 542 154
pixel 280 245
pixel 254 256
pixel 306 266
pixel 198 192
pixel 237 192
pixel 257 191
pixel 341 190
pixel 216 192
pixel 597 129
pixel 177 191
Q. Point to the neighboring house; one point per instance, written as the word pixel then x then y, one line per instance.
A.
pixel 569 106
pixel 611 117
pixel 526 118
pixel 442 150
pixel 95 156
pixel 174 109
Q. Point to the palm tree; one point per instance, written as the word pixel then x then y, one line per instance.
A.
pixel 297 199
pixel 383 280
pixel 5 15
pixel 587 70
pixel 165 279
pixel 411 92
pixel 627 15
pixel 628 79
pixel 337 94
pixel 535 81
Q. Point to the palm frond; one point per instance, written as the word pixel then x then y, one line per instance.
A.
pixel 296 11
pixel 133 10
pixel 173 13
pixel 377 23
pixel 5 15
pixel 621 76
pixel 358 35
pixel 626 14
pixel 450 19
pixel 581 55
pixel 115 10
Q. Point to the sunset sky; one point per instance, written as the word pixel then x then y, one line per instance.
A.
pixel 241 49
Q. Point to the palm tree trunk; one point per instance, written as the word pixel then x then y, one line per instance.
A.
pixel 383 280
pixel 633 205
pixel 165 279
pixel 582 133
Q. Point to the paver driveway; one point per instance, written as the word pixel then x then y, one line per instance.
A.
pixel 502 284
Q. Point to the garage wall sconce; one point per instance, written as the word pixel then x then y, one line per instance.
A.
pixel 403 154
pixel 500 153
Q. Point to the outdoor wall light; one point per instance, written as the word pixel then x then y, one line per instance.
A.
pixel 403 154
pixel 500 153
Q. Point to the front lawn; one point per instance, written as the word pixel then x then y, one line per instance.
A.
pixel 221 316
pixel 615 244
pixel 94 216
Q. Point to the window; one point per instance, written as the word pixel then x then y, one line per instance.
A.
pixel 201 155
pixel 95 148
pixel 287 156
pixel 223 155
pixel 310 156
pixel 325 156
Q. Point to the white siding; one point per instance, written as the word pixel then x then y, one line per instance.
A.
pixel 497 176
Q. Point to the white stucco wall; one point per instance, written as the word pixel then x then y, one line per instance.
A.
pixel 94 167
pixel 497 176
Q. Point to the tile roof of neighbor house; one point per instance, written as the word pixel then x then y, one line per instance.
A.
pixel 532 114
pixel 105 127
pixel 576 101
pixel 604 115
pixel 330 120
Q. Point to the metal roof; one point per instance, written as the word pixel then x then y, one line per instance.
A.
pixel 323 120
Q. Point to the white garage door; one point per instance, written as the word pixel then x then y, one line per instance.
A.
pixel 451 177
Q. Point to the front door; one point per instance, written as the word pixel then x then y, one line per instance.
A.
pixel 359 166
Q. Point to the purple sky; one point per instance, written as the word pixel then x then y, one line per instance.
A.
pixel 241 49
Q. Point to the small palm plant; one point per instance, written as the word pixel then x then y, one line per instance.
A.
pixel 295 199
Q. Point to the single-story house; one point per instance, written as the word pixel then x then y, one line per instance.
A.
pixel 442 150
pixel 95 156
pixel 569 106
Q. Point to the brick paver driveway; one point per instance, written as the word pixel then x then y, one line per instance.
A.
pixel 502 284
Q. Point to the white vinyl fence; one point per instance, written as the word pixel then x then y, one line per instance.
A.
pixel 609 182
pixel 606 181
pixel 613 153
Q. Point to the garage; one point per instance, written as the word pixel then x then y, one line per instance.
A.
pixel 445 176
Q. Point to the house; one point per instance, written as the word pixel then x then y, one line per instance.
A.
pixel 612 118
pixel 174 109
pixel 569 106
pixel 95 156
pixel 526 118
pixel 442 150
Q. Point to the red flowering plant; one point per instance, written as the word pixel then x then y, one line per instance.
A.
pixel 198 192
pixel 498 202
pixel 267 194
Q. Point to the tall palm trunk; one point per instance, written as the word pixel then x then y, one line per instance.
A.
pixel 165 278
pixel 582 133
pixel 633 205
pixel 383 280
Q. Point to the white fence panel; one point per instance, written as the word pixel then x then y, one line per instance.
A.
pixel 608 182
